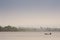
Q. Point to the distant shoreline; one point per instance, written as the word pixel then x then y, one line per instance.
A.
pixel 22 29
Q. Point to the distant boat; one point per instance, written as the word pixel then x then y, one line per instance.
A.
pixel 47 33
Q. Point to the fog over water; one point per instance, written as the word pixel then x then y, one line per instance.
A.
pixel 29 14
pixel 29 36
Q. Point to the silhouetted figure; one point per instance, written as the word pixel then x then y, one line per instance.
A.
pixel 50 33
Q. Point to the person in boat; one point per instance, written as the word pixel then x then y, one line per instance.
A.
pixel 48 33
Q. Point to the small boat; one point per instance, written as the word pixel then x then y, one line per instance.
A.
pixel 47 33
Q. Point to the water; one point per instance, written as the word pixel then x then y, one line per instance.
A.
pixel 29 36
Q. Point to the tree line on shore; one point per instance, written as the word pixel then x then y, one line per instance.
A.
pixel 15 29
pixel 22 29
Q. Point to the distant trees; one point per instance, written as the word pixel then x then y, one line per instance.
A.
pixel 15 29
pixel 1 28
pixel 8 28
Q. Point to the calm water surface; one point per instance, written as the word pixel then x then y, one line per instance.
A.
pixel 29 36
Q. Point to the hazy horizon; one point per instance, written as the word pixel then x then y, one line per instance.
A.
pixel 30 12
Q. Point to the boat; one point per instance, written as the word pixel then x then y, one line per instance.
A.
pixel 48 33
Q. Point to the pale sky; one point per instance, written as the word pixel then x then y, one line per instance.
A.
pixel 29 12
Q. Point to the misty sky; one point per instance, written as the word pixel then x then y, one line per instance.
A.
pixel 29 12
